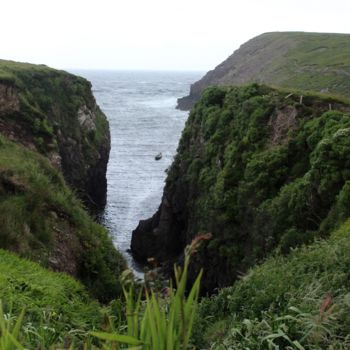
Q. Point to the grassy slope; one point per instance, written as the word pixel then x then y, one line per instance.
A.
pixel 43 91
pixel 315 62
pixel 307 61
pixel 55 305
pixel 303 297
pixel 41 219
pixel 8 67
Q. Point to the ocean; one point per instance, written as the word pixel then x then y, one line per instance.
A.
pixel 140 107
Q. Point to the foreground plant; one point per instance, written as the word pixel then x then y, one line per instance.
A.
pixel 162 321
pixel 10 331
pixel 295 330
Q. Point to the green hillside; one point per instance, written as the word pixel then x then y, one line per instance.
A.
pixel 307 61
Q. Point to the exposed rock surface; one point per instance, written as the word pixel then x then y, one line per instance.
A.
pixel 308 61
pixel 9 101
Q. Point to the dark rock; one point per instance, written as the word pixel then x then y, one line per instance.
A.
pixel 158 156
pixel 163 236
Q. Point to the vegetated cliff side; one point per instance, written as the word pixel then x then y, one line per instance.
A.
pixel 55 113
pixel 307 61
pixel 259 168
pixel 50 125
pixel 300 301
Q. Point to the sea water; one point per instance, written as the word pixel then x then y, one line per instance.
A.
pixel 140 107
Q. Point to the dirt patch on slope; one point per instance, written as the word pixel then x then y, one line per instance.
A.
pixel 281 122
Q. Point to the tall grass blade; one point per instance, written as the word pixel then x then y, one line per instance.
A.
pixel 125 339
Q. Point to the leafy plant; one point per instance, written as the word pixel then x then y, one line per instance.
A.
pixel 9 331
pixel 160 322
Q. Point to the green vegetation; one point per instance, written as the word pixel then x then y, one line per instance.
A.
pixel 297 302
pixel 55 306
pixel 49 99
pixel 161 321
pixel 297 60
pixel 317 61
pixel 56 113
pixel 50 310
pixel 41 219
pixel 262 169
pixel 265 171
pixel 42 89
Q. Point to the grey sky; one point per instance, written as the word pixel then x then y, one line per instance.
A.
pixel 152 34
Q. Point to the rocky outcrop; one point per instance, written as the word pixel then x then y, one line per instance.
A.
pixel 9 101
pixel 84 159
pixel 291 59
pixel 262 170
pixel 163 236
pixel 55 113
pixel 52 133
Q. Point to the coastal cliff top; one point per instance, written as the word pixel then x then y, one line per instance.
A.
pixel 10 69
pixel 308 61
pixel 55 113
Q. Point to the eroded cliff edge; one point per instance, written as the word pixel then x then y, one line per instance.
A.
pixel 261 169
pixel 308 61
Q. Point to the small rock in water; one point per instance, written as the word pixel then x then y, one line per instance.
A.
pixel 158 156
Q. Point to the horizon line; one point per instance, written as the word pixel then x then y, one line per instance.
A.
pixel 135 69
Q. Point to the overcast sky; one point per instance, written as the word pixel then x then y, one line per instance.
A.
pixel 152 34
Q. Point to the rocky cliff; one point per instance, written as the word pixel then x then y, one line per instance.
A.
pixel 262 170
pixel 55 113
pixel 54 147
pixel 307 61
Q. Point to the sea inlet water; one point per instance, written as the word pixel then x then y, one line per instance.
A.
pixel 140 107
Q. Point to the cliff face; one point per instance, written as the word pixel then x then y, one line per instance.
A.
pixel 308 61
pixel 260 169
pixel 55 113
pixel 51 126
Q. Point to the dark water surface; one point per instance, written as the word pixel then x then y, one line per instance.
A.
pixel 140 107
